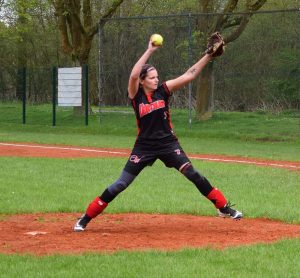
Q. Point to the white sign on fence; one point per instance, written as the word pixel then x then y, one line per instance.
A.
pixel 69 86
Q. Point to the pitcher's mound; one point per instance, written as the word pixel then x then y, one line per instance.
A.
pixel 52 233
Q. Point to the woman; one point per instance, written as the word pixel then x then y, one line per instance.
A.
pixel 156 139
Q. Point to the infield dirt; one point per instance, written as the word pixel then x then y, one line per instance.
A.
pixel 45 234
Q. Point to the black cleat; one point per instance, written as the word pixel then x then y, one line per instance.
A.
pixel 82 223
pixel 228 211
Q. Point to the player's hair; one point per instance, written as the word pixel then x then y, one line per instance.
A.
pixel 145 69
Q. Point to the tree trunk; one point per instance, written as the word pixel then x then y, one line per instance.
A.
pixel 83 60
pixel 206 26
pixel 77 30
pixel 204 94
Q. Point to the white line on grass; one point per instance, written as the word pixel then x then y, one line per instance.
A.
pixel 63 148
pixel 247 162
pixel 127 153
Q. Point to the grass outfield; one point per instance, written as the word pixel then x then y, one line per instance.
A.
pixel 67 185
pixel 54 185
pixel 264 260
pixel 259 134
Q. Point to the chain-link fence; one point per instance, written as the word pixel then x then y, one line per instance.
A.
pixel 260 69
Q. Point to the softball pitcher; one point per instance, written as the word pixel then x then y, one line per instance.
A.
pixel 156 139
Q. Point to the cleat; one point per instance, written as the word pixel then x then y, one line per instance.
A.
pixel 228 211
pixel 81 223
pixel 78 226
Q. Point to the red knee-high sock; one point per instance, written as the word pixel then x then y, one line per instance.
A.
pixel 217 198
pixel 95 207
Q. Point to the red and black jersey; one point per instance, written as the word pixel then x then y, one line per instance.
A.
pixel 153 119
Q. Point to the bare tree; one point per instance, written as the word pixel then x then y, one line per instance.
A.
pixel 77 26
pixel 234 23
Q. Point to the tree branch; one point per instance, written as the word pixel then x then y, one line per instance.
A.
pixel 223 18
pixel 105 15
pixel 62 25
pixel 233 22
pixel 203 5
pixel 75 8
pixel 87 14
pixel 241 21
pixel 76 25
pixel 255 6
pixel 112 8
pixel 237 32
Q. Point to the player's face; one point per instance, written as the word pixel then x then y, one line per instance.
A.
pixel 150 82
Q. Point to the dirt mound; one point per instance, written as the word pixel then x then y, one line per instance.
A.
pixel 44 234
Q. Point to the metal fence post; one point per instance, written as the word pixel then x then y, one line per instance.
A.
pixel 54 94
pixel 86 75
pixel 24 73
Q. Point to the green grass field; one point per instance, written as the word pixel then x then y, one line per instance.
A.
pixel 67 185
pixel 259 134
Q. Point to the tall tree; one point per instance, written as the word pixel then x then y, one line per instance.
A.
pixel 77 26
pixel 27 41
pixel 234 23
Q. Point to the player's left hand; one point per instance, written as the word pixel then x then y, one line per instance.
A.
pixel 215 45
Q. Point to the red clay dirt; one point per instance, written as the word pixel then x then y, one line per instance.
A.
pixel 52 233
pixel 45 234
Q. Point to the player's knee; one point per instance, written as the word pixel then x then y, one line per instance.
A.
pixel 117 187
pixel 189 171
pixel 121 184
pixel 194 176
